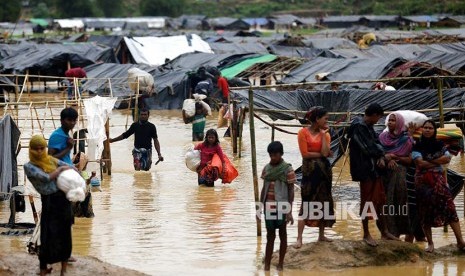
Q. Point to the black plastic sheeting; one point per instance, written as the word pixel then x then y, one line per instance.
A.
pixel 51 59
pixel 302 52
pixel 343 69
pixel 237 48
pixel 355 100
pixel 98 75
pixel 111 41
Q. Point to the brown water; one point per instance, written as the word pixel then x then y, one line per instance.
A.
pixel 161 223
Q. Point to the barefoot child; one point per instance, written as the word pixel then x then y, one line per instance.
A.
pixel 277 191
pixel 208 172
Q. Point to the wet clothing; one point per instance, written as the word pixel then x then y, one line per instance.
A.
pixel 59 141
pixel 278 179
pixel 365 150
pixel 372 191
pixel 317 178
pixel 224 87
pixel 56 217
pixel 414 218
pixel 208 174
pixel 143 134
pixel 395 188
pixel 206 153
pixel 142 159
pixel 435 202
pixel 198 126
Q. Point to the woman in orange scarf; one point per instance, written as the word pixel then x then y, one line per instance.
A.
pixel 56 218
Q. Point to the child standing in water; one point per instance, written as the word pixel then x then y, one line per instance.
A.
pixel 207 171
pixel 277 196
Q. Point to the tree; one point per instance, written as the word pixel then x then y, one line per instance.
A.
pixel 111 8
pixel 9 11
pixel 162 7
pixel 77 8
pixel 41 11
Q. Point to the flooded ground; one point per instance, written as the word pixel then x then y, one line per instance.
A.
pixel 161 223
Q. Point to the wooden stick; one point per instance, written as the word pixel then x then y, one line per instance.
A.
pixel 254 158
pixel 440 103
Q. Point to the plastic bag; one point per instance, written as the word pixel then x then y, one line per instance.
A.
pixel 189 107
pixel 228 114
pixel 222 122
pixel 146 81
pixel 72 184
pixel 193 160
pixel 230 172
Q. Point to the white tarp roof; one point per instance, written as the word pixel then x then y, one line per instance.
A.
pixel 69 23
pixel 154 50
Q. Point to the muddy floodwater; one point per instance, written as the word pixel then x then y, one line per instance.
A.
pixel 161 223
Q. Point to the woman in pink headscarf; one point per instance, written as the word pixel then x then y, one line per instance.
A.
pixel 397 143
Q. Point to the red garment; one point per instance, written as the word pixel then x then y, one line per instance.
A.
pixel 206 153
pixel 77 72
pixel 224 86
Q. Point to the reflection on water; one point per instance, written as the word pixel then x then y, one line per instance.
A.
pixel 160 222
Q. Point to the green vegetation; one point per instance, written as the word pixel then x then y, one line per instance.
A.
pixel 10 9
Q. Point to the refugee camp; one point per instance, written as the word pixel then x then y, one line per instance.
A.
pixel 227 137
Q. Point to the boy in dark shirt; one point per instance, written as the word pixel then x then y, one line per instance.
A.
pixel 144 131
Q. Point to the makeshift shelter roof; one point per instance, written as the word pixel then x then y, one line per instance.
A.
pixel 154 50
pixel 260 21
pixel 69 23
pixel 284 19
pixel 391 18
pixel 237 48
pixel 228 23
pixel 52 59
pixel 104 24
pixel 16 29
pixel 329 43
pixel 353 100
pixel 458 18
pixel 421 18
pixel 192 61
pixel 40 21
pixel 112 41
pixel 342 18
pixel 236 69
pixel 309 21
pixel 342 69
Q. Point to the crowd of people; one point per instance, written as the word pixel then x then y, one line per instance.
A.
pixel 380 165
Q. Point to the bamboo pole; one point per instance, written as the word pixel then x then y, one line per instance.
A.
pixel 254 159
pixel 38 121
pixel 241 126
pixel 16 91
pixel 111 90
pixel 272 132
pixel 107 148
pixel 234 127
pixel 440 103
pixel 136 104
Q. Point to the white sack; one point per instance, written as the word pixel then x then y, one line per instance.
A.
pixel 72 184
pixel 193 160
pixel 146 81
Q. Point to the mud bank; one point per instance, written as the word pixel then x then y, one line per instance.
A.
pixel 19 263
pixel 349 254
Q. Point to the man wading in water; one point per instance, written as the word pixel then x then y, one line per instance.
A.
pixel 367 157
pixel 144 131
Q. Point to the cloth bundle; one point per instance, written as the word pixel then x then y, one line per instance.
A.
pixel 193 160
pixel 72 184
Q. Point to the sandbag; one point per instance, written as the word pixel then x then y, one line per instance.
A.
pixel 193 160
pixel 230 172
pixel 411 116
pixel 72 184
pixel 222 122
pixel 146 81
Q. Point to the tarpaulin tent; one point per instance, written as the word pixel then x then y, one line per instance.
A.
pixel 236 69
pixel 238 48
pixel 154 50
pixel 52 59
pixel 354 100
pixel 9 135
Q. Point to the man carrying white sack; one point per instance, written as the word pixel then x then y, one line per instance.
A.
pixel 195 112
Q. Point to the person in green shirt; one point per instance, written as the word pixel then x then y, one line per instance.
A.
pixel 198 121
